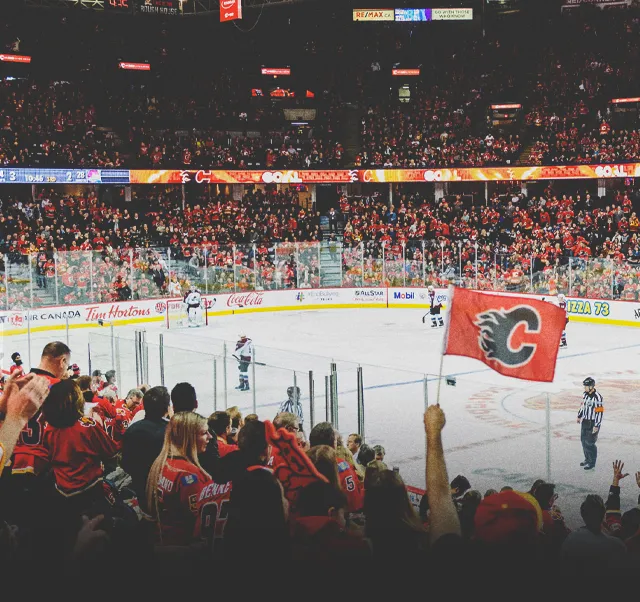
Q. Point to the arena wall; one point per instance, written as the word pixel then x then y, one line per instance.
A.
pixel 619 313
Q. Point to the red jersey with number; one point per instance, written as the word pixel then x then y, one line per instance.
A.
pixel 76 454
pixel 179 489
pixel 29 455
pixel 351 486
pixel 213 509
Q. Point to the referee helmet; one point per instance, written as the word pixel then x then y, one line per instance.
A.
pixel 589 382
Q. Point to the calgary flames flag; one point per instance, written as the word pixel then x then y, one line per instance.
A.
pixel 230 10
pixel 515 336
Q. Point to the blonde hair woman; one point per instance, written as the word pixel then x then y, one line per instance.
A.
pixel 177 479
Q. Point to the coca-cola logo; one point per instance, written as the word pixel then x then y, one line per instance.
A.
pixel 245 299
pixel 161 307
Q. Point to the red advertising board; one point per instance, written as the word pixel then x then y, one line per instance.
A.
pixel 15 58
pixel 405 72
pixel 276 71
pixel 135 66
pixel 230 10
pixel 345 176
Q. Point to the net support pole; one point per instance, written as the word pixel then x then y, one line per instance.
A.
pixel 117 366
pixel 312 401
pixel 89 358
pixel 55 276
pixel 29 339
pixel 113 348
pixel 31 282
pixel 361 430
pixel 327 405
pixel 548 437
pixel 161 352
pixel 253 384
pixel 215 384
pixel 224 364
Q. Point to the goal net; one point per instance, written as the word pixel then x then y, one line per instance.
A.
pixel 176 316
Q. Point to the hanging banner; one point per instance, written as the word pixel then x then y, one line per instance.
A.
pixel 230 10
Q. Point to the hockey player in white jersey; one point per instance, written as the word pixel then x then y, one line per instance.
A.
pixel 562 304
pixel 244 355
pixel 434 311
pixel 193 302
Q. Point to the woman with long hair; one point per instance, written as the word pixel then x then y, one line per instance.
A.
pixel 176 480
pixel 392 524
pixel 77 446
pixel 324 459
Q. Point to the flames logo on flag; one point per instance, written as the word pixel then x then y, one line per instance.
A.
pixel 497 327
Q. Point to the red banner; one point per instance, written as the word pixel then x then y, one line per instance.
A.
pixel 275 71
pixel 15 58
pixel 405 72
pixel 515 336
pixel 230 10
pixel 135 66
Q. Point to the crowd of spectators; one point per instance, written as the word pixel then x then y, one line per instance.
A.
pixel 90 250
pixel 87 250
pixel 524 243
pixel 90 473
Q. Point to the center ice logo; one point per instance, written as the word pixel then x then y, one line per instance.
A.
pixel 498 331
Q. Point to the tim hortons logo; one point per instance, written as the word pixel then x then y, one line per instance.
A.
pixel 497 328
pixel 245 299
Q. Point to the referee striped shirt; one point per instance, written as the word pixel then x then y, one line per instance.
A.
pixel 592 408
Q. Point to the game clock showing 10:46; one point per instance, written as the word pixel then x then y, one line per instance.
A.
pixel 122 6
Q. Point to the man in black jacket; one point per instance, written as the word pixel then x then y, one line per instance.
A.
pixel 143 440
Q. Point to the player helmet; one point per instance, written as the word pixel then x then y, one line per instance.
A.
pixel 430 288
pixel 242 335
pixel 561 297
pixel 589 382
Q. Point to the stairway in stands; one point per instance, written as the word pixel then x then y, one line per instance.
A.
pixel 351 133
pixel 330 255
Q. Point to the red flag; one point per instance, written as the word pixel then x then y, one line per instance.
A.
pixel 230 10
pixel 515 336
pixel 296 469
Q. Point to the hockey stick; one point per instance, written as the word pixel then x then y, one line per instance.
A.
pixel 256 363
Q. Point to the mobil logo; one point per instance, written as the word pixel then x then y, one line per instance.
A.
pixel 404 295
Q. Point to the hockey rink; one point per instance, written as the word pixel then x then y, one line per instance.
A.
pixel 496 426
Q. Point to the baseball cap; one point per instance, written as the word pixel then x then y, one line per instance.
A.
pixel 76 369
pixel 15 356
pixel 508 517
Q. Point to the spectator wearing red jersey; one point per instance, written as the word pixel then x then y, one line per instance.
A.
pixel 176 480
pixel 289 422
pixel 323 433
pixel 16 367
pixel 77 447
pixel 220 425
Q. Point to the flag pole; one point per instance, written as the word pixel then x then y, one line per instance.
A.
pixel 445 340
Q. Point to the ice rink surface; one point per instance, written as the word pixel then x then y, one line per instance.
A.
pixel 496 426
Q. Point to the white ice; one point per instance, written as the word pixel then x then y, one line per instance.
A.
pixel 495 432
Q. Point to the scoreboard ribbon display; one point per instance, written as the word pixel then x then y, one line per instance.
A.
pixel 9 175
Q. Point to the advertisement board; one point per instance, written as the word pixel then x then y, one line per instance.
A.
pixel 595 311
pixel 373 14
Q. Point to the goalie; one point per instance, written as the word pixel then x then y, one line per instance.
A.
pixel 193 303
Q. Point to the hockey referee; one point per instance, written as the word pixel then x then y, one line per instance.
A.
pixel 590 415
